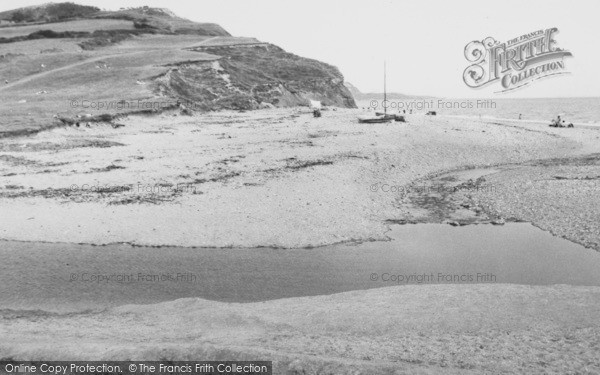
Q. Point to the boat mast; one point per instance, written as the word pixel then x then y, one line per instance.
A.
pixel 384 92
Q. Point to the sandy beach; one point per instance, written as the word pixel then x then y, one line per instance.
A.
pixel 301 186
pixel 450 329
pixel 281 178
pixel 267 178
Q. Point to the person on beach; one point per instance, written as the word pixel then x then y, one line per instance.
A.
pixel 565 125
pixel 557 122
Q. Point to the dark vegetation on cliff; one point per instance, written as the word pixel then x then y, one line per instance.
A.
pixel 48 13
pixel 249 76
pixel 54 55
pixel 144 20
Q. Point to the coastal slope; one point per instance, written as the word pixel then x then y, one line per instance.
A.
pixel 61 61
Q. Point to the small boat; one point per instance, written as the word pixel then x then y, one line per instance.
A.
pixel 379 117
pixel 374 119
pixel 399 118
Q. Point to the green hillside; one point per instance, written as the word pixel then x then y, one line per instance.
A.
pixel 83 61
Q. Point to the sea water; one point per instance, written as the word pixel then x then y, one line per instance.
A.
pixel 579 111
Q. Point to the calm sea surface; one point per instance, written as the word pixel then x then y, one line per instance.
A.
pixel 579 111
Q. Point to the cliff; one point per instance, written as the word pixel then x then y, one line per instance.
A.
pixel 252 75
pixel 54 55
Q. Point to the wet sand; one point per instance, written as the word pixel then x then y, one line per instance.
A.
pixel 559 196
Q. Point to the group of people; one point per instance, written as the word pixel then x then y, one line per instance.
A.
pixel 560 123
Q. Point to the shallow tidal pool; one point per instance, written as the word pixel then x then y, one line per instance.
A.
pixel 68 277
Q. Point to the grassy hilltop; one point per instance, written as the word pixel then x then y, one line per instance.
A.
pixel 60 61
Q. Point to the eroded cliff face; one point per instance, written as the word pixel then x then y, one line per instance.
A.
pixel 252 76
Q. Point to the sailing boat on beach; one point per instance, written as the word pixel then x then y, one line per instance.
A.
pixel 379 118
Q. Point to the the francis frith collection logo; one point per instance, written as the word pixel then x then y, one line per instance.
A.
pixel 515 63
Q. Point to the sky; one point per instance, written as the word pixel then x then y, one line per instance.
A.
pixel 422 42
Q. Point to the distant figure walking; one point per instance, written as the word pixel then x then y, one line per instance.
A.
pixel 520 116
